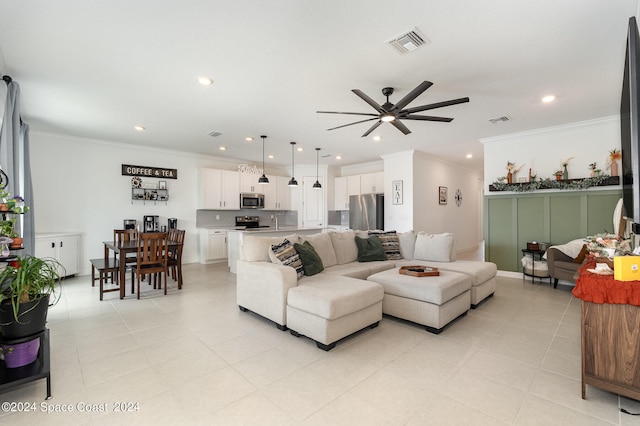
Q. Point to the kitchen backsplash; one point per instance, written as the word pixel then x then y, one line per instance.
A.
pixel 227 218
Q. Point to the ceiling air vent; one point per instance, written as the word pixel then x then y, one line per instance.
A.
pixel 499 119
pixel 408 42
pixel 214 134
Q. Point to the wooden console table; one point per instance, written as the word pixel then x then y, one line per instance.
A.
pixel 610 332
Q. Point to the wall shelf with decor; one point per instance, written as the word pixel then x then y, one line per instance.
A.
pixel 145 195
pixel 562 184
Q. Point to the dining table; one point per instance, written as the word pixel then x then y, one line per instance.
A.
pixel 122 249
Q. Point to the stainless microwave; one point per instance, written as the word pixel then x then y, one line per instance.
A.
pixel 251 201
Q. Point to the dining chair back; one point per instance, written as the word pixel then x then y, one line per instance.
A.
pixel 151 257
pixel 175 255
pixel 121 236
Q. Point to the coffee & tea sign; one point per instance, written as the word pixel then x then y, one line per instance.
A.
pixel 153 172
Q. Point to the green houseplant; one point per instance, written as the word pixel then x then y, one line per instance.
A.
pixel 26 287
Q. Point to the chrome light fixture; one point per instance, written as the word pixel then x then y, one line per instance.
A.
pixel 263 179
pixel 317 184
pixel 293 181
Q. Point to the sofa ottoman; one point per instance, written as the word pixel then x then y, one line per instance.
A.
pixel 432 301
pixel 329 308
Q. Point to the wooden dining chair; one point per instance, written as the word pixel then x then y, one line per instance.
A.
pixel 175 255
pixel 151 258
pixel 122 236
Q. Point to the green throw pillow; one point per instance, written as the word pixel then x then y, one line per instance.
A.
pixel 370 249
pixel 311 262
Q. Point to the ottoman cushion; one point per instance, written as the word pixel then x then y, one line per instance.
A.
pixel 333 297
pixel 437 289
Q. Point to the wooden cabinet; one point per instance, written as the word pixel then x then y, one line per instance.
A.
pixel 277 194
pixel 249 183
pixel 611 348
pixel 340 193
pixel 64 247
pixel 372 183
pixel 219 189
pixel 212 245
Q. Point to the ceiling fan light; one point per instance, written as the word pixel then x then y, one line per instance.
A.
pixel 263 180
pixel 293 182
pixel 387 118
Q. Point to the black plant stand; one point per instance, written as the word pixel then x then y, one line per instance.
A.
pixel 39 369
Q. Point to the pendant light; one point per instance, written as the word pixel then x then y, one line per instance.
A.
pixel 263 179
pixel 293 181
pixel 317 184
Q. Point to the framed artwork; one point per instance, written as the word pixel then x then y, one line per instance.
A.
pixel 396 187
pixel 162 184
pixel 442 195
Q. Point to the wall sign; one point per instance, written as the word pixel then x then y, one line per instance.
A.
pixel 154 172
pixel 396 187
pixel 249 168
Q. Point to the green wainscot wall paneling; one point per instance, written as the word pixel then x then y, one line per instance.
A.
pixel 512 220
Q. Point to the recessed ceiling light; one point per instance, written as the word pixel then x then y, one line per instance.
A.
pixel 300 149
pixel 338 157
pixel 270 156
pixel 139 128
pixel 469 155
pixel 248 139
pixel 548 98
pixel 223 148
pixel 205 81
pixel 377 138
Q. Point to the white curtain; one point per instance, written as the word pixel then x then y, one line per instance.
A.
pixel 14 160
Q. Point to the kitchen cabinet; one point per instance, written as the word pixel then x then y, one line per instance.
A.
pixel 372 183
pixel 219 189
pixel 353 185
pixel 212 245
pixel 340 193
pixel 249 183
pixel 277 194
pixel 64 247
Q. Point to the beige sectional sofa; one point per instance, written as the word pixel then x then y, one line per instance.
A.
pixel 340 301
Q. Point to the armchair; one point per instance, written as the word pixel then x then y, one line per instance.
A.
pixel 562 266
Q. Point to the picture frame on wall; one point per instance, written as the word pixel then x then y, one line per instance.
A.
pixel 396 187
pixel 442 195
pixel 162 184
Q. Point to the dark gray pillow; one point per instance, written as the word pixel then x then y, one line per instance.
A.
pixel 370 249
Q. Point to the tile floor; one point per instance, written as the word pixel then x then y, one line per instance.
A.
pixel 192 357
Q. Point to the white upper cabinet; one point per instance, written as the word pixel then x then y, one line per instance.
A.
pixel 353 185
pixel 372 183
pixel 219 189
pixel 249 183
pixel 341 195
pixel 277 194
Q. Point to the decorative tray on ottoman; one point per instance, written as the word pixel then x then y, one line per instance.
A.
pixel 419 271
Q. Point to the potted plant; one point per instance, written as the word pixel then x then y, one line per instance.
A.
pixel 26 287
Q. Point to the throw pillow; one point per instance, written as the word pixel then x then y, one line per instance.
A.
pixel 407 244
pixel 434 247
pixel 390 243
pixel 288 256
pixel 322 244
pixel 311 262
pixel 370 249
pixel 583 253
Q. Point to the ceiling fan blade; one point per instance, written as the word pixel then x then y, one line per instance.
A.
pixel 371 129
pixel 426 118
pixel 368 100
pixel 351 124
pixel 434 106
pixel 412 95
pixel 398 125
pixel 350 113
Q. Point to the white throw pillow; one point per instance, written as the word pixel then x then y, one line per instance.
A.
pixel 434 247
pixel 323 246
pixel 407 244
pixel 344 244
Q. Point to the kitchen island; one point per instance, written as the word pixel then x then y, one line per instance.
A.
pixel 235 238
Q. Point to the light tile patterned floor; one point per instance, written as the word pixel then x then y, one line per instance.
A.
pixel 192 357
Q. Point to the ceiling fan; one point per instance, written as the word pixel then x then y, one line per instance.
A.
pixel 393 114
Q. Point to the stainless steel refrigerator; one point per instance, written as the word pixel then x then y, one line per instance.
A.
pixel 366 211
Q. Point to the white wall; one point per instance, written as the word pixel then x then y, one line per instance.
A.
pixel 422 175
pixel 587 141
pixel 78 186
